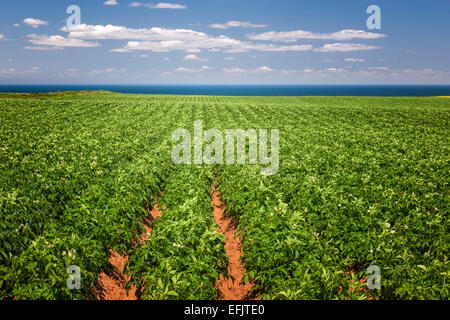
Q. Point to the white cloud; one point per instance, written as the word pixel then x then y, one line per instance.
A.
pixel 335 70
pixel 14 72
pixel 217 44
pixel 41 48
pixel 165 40
pixel 293 36
pixel 371 72
pixel 236 24
pixel 354 60
pixel 165 5
pixel 239 71
pixel 229 58
pixel 34 23
pixel 16 25
pixel 379 68
pixel 107 71
pixel 111 3
pixel 71 72
pixel 308 72
pixel 100 32
pixel 2 37
pixel 193 57
pixel 59 41
pixel 247 46
pixel 218 26
pixel 161 5
pixel 264 69
pixel 345 47
pixel 191 70
pixel 7 71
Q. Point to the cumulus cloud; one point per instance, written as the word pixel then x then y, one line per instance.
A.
pixel 191 70
pixel 354 60
pixel 41 48
pixel 100 32
pixel 293 36
pixel 247 46
pixel 193 57
pixel 2 37
pixel 215 44
pixel 34 23
pixel 229 58
pixel 290 72
pixel 379 68
pixel 157 39
pixel 7 71
pixel 165 5
pixel 335 70
pixel 16 25
pixel 14 72
pixel 165 40
pixel 161 5
pixel 240 71
pixel 107 71
pixel 236 24
pixel 345 47
pixel 69 73
pixel 111 3
pixel 59 41
pixel 316 73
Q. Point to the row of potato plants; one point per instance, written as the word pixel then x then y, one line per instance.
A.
pixel 362 181
pixel 184 255
pixel 74 185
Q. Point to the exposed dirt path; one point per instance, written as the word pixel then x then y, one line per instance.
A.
pixel 227 288
pixel 112 287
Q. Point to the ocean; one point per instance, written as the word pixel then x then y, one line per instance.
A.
pixel 249 90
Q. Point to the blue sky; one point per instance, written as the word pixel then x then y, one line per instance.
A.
pixel 224 42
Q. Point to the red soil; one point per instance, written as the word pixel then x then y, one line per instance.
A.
pixel 112 287
pixel 227 288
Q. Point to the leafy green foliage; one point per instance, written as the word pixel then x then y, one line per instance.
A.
pixel 184 255
pixel 362 181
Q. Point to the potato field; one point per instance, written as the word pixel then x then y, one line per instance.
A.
pixel 361 182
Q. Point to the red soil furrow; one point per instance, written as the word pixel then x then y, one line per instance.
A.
pixel 112 286
pixel 227 288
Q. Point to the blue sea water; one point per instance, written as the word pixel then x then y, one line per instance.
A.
pixel 249 90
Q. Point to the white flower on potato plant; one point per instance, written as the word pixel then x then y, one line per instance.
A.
pixel 387 225
pixel 71 254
